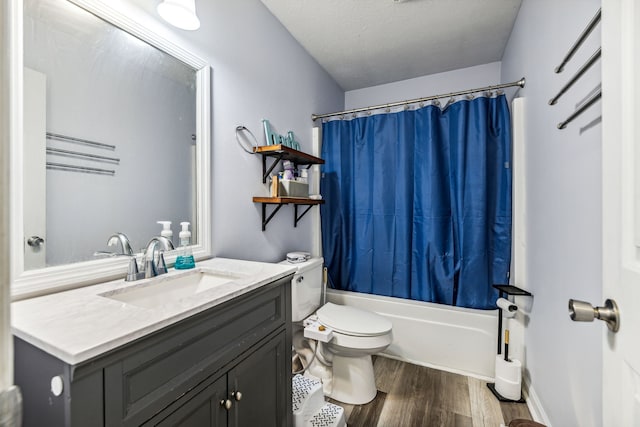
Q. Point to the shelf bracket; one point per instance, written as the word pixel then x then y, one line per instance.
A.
pixel 298 218
pixel 265 219
pixel 265 172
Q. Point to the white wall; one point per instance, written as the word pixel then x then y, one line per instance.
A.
pixel 434 84
pixel 563 169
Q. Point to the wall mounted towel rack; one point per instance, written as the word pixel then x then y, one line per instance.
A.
pixel 85 169
pixel 588 103
pixel 581 71
pixel 583 36
pixel 86 156
pixel 80 155
pixel 59 137
pixel 577 76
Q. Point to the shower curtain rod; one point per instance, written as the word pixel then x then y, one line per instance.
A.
pixel 520 83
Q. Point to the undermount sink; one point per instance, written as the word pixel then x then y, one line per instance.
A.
pixel 167 289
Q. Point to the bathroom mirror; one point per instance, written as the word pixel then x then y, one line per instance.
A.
pixel 115 137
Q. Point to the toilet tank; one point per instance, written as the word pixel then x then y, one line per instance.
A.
pixel 306 288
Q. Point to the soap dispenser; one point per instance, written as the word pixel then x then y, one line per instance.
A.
pixel 166 230
pixel 185 259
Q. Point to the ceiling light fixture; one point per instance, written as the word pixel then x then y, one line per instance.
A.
pixel 180 13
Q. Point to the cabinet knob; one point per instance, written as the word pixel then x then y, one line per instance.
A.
pixel 237 395
pixel 226 404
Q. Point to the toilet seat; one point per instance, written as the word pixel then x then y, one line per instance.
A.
pixel 353 321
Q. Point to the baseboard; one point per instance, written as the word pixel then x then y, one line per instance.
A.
pixel 533 403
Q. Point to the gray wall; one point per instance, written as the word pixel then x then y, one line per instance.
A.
pixel 259 71
pixel 564 362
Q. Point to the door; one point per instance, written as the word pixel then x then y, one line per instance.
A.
pixel 257 387
pixel 621 208
pixel 34 171
pixel 203 410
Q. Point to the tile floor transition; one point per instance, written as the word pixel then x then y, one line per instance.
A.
pixel 413 396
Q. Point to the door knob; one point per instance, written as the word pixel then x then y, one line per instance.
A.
pixel 35 241
pixel 237 395
pixel 226 404
pixel 581 311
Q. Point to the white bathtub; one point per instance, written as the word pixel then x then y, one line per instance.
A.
pixel 459 340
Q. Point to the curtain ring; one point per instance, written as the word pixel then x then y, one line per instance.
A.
pixel 449 102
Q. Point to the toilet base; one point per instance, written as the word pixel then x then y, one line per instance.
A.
pixel 353 381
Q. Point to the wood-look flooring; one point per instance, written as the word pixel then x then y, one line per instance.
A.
pixel 413 396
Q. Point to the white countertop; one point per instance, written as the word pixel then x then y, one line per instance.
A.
pixel 80 324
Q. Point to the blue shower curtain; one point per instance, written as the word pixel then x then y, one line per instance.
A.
pixel 418 203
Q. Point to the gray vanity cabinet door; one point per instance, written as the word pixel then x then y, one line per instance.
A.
pixel 202 410
pixel 260 378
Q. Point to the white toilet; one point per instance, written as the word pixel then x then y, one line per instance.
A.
pixel 344 363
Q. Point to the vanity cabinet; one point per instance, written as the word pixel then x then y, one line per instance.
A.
pixel 225 366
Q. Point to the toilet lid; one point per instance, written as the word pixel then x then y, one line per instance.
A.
pixel 352 321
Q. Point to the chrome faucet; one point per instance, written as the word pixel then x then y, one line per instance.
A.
pixel 124 243
pixel 151 267
pixel 113 240
pixel 132 272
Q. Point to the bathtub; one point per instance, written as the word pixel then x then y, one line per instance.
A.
pixel 454 339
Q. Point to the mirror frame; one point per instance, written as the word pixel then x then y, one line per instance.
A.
pixel 30 283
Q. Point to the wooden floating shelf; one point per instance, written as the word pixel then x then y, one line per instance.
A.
pixel 288 200
pixel 282 152
pixel 281 201
pixel 288 153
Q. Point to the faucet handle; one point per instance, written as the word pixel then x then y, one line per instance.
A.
pixel 150 269
pixel 161 265
pixel 132 272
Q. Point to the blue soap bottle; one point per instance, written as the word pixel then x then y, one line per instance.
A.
pixel 185 259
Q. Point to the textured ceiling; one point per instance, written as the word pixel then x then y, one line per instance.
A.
pixel 364 43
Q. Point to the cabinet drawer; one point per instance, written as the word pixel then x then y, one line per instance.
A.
pixel 159 369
